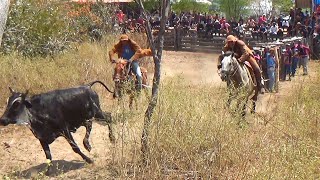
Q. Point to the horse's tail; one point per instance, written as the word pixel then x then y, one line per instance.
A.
pixel 92 83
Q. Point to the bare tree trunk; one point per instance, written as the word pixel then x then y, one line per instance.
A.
pixel 157 55
pixel 4 7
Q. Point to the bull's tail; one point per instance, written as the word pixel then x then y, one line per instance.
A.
pixel 91 84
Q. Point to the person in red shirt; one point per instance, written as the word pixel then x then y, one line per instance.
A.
pixel 262 19
pixel 120 15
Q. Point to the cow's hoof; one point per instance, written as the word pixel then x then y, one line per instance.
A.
pixel 89 161
pixel 112 139
pixel 87 146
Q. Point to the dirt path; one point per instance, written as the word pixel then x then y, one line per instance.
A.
pixel 197 68
pixel 21 152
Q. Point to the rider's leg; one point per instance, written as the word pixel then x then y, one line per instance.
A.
pixel 257 73
pixel 136 70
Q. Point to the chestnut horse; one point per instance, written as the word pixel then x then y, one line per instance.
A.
pixel 125 80
pixel 240 81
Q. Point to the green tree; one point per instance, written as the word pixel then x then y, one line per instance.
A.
pixel 234 8
pixel 34 28
pixel 149 5
pixel 282 5
pixel 190 5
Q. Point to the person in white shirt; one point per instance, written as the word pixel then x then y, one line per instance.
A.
pixel 273 31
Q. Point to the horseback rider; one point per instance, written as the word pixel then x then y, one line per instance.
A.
pixel 130 51
pixel 243 53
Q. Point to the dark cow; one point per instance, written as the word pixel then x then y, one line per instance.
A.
pixel 57 113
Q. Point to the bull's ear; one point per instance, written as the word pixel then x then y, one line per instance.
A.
pixel 26 93
pixel 232 55
pixel 11 90
pixel 222 52
pixel 27 103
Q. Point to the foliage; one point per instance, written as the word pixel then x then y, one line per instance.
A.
pixel 42 28
pixel 283 5
pixel 234 8
pixel 149 5
pixel 190 6
pixel 36 28
pixel 93 19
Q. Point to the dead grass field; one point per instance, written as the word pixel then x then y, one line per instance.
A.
pixel 22 157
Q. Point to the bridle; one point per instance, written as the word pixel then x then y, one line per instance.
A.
pixel 234 61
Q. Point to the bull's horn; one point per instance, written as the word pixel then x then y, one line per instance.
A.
pixel 11 90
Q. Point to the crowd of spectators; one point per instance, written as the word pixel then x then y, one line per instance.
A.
pixel 296 23
pixel 292 56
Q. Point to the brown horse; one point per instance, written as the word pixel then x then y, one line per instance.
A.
pixel 126 82
pixel 240 81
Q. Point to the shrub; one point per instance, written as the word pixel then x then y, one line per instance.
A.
pixel 35 28
pixel 44 28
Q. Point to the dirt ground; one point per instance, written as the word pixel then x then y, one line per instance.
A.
pixel 21 153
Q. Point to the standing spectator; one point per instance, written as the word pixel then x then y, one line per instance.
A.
pixel 120 16
pixel 271 65
pixel 304 56
pixel 295 59
pixel 287 62
pixel 262 19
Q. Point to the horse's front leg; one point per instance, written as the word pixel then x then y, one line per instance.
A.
pixel 243 110
pixel 253 110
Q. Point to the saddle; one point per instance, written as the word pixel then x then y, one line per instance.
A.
pixel 121 72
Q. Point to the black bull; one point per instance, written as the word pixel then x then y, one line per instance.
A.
pixel 57 113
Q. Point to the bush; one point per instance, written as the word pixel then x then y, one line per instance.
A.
pixel 35 28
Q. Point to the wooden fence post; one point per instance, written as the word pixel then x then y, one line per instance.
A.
pixel 178 38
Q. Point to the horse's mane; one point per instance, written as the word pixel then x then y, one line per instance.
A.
pixel 228 53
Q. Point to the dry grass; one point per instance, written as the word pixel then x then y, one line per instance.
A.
pixel 192 134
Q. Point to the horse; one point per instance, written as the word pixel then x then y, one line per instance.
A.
pixel 240 81
pixel 126 82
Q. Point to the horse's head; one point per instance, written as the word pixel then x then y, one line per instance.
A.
pixel 119 76
pixel 228 65
pixel 120 71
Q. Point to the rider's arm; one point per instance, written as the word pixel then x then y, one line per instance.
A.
pixel 225 48
pixel 245 52
pixel 113 51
